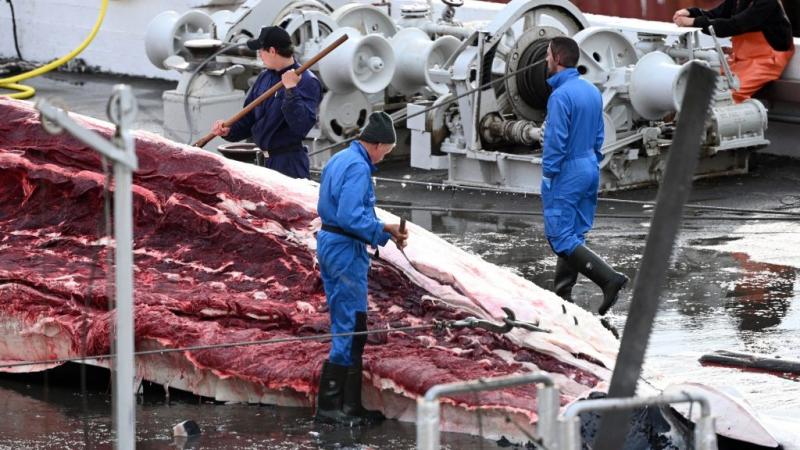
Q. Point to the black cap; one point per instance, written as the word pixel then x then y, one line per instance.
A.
pixel 270 37
pixel 379 129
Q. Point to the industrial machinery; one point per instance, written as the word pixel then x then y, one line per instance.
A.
pixel 487 79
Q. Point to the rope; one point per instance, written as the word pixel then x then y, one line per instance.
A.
pixel 431 108
pixel 448 209
pixel 786 200
pixel 320 337
pixel 103 229
pixel 708 207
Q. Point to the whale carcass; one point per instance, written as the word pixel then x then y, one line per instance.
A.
pixel 225 252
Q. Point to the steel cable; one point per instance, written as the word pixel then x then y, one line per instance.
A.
pixel 785 200
pixel 447 209
pixel 315 337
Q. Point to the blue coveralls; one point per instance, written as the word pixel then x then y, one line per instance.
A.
pixel 279 125
pixel 347 201
pixel 573 137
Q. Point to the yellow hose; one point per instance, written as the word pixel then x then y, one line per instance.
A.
pixel 27 91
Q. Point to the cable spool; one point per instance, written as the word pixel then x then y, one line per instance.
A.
pixel 528 92
pixel 166 33
pixel 533 87
pixel 416 54
pixel 364 63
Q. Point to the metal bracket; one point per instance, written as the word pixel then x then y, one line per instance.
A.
pixel 509 323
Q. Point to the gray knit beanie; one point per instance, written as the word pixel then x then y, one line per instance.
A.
pixel 379 129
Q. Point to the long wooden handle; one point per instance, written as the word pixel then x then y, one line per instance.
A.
pixel 271 91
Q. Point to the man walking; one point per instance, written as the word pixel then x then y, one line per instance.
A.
pixel 573 138
pixel 346 207
pixel 278 125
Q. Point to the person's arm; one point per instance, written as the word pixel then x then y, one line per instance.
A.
pixel 751 18
pixel 556 134
pixel 352 215
pixel 300 105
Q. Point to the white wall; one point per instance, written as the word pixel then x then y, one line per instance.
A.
pixel 49 29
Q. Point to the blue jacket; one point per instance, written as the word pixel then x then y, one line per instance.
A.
pixel 283 120
pixel 347 197
pixel 574 112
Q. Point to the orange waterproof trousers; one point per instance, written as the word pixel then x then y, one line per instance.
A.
pixel 756 63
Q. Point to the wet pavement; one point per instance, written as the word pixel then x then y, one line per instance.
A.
pixel 732 285
pixel 52 414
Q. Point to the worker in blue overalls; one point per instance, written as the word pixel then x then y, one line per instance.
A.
pixel 573 138
pixel 346 207
pixel 278 125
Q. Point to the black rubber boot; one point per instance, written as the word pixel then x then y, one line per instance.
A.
pixel 596 269
pixel 565 279
pixel 352 397
pixel 352 390
pixel 331 396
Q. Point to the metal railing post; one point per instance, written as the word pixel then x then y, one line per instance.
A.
pixel 548 403
pixel 705 436
pixel 428 407
pixel 122 110
pixel 570 434
pixel 569 423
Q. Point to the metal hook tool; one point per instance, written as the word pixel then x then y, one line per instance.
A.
pixel 530 326
pixel 509 322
